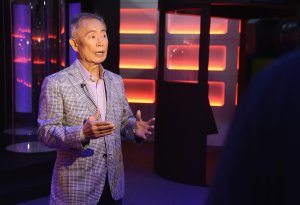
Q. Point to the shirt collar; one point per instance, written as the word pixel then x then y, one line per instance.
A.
pixel 86 75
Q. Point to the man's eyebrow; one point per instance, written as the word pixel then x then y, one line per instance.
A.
pixel 91 31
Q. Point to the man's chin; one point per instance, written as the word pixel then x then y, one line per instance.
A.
pixel 100 60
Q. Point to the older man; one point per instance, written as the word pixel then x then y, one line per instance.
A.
pixel 83 113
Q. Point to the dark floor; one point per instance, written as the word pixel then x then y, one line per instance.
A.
pixel 25 178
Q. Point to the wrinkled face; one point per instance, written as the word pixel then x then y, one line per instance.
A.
pixel 90 42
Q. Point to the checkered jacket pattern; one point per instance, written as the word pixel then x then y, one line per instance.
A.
pixel 79 172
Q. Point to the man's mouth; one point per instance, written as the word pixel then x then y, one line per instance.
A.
pixel 100 53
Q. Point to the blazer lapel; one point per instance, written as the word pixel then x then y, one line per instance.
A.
pixel 108 83
pixel 80 85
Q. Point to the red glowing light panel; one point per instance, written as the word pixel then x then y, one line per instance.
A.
pixel 185 57
pixel 138 21
pixel 137 56
pixel 190 24
pixel 216 93
pixel 140 91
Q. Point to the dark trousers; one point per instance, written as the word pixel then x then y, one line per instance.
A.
pixel 106 198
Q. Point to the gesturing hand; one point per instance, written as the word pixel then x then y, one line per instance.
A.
pixel 143 129
pixel 93 128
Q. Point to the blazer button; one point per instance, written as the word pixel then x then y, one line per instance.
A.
pixel 104 155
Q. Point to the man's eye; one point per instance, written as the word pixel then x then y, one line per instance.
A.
pixel 103 35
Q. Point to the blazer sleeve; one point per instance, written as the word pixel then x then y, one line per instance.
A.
pixel 51 129
pixel 128 120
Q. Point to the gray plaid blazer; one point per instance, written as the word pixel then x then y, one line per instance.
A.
pixel 80 171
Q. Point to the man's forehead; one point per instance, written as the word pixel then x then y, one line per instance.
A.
pixel 90 21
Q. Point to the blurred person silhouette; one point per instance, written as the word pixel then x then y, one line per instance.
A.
pixel 84 113
pixel 260 161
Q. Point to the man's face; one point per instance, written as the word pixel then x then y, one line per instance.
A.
pixel 91 42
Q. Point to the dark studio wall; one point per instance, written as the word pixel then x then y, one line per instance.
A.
pixel 5 73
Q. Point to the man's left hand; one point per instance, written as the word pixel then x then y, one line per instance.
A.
pixel 142 128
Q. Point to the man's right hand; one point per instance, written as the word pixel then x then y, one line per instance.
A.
pixel 94 128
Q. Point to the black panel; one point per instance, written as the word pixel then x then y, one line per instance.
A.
pixel 6 69
pixel 183 119
pixel 242 9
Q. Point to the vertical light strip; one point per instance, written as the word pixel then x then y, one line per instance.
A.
pixel 74 9
pixel 22 57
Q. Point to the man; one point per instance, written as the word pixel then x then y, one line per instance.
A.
pixel 83 113
pixel 260 163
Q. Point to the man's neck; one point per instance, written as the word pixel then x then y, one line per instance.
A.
pixel 95 70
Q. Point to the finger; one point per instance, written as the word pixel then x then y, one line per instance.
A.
pixel 98 126
pixel 102 124
pixel 103 133
pixel 95 116
pixel 151 121
pixel 139 115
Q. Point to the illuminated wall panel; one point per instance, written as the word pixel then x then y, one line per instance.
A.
pixel 217 58
pixel 137 56
pixel 138 21
pixel 218 26
pixel 140 91
pixel 22 58
pixel 216 93
pixel 190 24
pixel 185 57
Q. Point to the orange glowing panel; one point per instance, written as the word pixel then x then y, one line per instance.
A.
pixel 190 24
pixel 216 93
pixel 53 60
pixel 185 57
pixel 140 91
pixel 62 63
pixel 38 62
pixel 218 25
pixel 217 58
pixel 138 21
pixel 62 30
pixel 137 56
pixel 52 36
pixel 38 38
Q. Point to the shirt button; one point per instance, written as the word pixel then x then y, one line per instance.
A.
pixel 104 155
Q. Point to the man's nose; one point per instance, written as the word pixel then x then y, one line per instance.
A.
pixel 99 42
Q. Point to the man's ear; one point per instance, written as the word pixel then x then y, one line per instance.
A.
pixel 73 44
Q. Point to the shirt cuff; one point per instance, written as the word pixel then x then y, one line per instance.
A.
pixel 85 142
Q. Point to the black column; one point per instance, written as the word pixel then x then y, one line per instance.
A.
pixel 6 106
